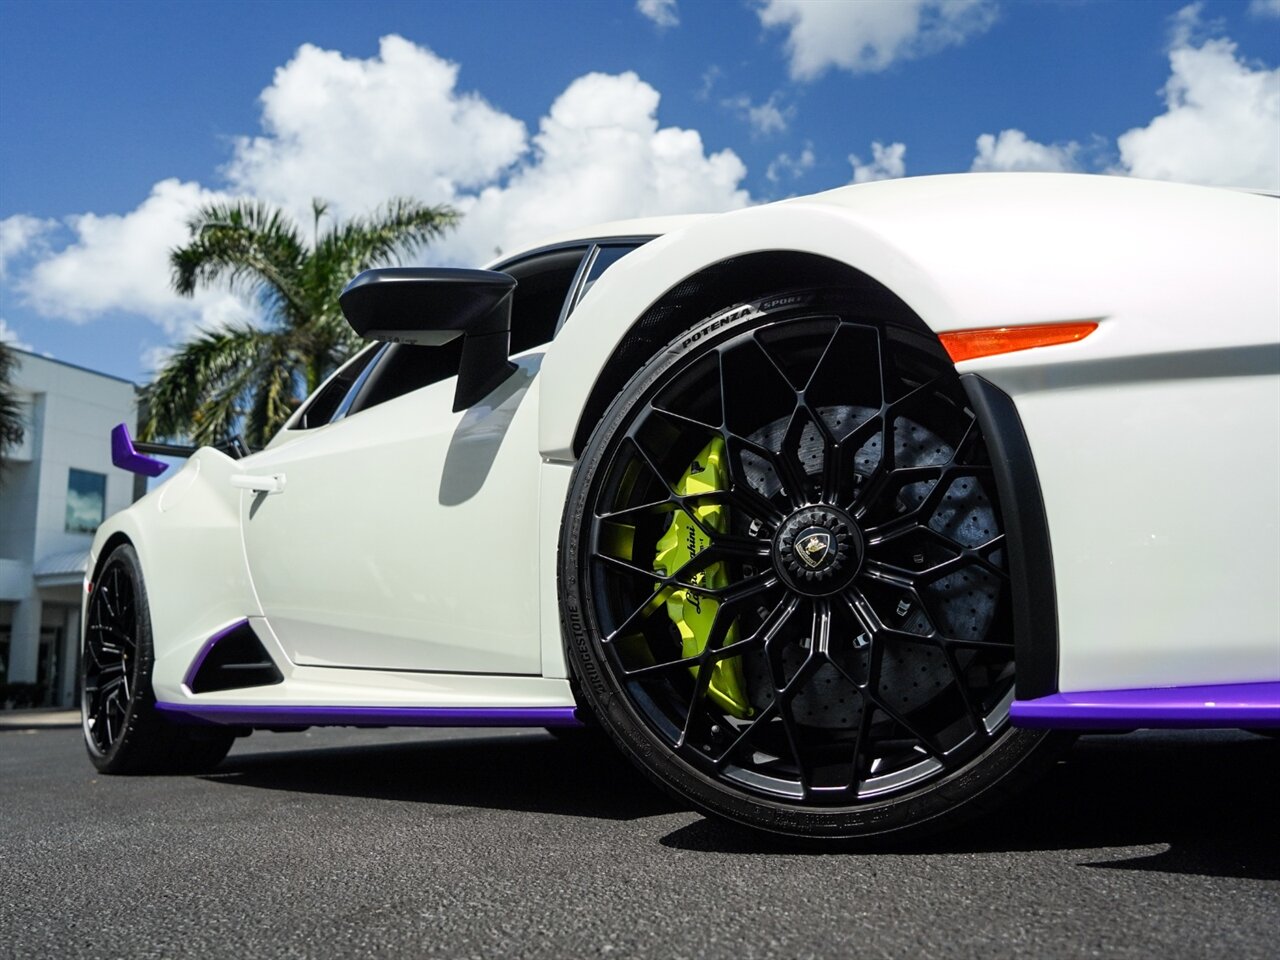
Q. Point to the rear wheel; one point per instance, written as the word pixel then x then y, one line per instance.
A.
pixel 123 732
pixel 784 576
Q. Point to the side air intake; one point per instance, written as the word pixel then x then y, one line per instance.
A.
pixel 231 659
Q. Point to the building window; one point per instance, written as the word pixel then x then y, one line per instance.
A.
pixel 86 501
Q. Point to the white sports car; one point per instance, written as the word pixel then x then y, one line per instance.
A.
pixel 827 512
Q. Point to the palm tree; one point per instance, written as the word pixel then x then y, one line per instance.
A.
pixel 253 377
pixel 11 428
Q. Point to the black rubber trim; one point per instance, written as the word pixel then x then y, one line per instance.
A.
pixel 1035 604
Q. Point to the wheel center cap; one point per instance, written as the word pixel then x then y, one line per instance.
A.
pixel 818 550
pixel 815 547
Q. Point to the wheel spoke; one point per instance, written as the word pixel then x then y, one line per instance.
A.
pixel 861 743
pixel 971 708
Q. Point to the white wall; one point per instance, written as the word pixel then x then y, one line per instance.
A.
pixel 71 412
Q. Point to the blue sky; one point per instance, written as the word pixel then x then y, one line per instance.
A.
pixel 120 117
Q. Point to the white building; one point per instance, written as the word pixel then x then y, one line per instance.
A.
pixel 56 488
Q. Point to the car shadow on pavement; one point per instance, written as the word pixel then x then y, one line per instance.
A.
pixel 1208 798
pixel 577 776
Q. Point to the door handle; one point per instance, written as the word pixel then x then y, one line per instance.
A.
pixel 272 483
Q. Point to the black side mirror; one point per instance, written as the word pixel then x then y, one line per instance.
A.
pixel 433 306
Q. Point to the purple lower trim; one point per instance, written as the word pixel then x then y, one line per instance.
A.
pixel 206 649
pixel 1218 705
pixel 126 458
pixel 273 716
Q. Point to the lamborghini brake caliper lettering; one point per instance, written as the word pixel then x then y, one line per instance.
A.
pixel 692 611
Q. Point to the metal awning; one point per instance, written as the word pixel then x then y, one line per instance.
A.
pixel 61 569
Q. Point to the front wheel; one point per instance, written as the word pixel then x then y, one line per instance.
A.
pixel 123 732
pixel 784 576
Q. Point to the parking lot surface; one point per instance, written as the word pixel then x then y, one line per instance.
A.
pixel 343 843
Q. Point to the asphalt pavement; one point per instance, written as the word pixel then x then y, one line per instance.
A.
pixel 342 843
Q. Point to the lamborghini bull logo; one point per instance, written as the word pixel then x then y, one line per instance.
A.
pixel 813 548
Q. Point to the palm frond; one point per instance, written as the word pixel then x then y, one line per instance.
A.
pixel 247 245
pixel 275 397
pixel 12 429
pixel 195 394
pixel 398 229
pixel 250 378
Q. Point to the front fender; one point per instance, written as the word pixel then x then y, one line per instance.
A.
pixel 643 277
pixel 975 250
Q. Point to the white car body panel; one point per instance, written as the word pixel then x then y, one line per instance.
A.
pixel 1155 440
pixel 385 506
pixel 1096 412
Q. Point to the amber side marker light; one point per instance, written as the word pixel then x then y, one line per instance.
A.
pixel 971 344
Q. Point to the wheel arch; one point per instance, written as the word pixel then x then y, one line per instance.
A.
pixel 116 539
pixel 648 297
pixel 719 285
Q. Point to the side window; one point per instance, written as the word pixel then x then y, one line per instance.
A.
pixel 602 257
pixel 544 281
pixel 605 257
pixel 406 367
pixel 338 392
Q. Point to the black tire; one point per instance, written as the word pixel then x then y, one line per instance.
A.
pixel 730 758
pixel 123 731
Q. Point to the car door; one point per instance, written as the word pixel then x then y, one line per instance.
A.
pixel 398 534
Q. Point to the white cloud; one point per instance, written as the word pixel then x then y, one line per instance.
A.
pixel 10 336
pixel 121 262
pixel 710 77
pixel 598 155
pixel 1221 123
pixel 1265 8
pixel 887 163
pixel 763 118
pixel 1011 150
pixel 661 12
pixel 785 165
pixel 154 357
pixel 355 132
pixel 868 36
pixel 21 234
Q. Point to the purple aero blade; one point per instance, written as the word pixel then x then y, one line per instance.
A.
pixel 1215 705
pixel 124 456
pixel 253 715
pixel 206 648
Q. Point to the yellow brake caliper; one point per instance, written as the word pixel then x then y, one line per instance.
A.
pixel 691 611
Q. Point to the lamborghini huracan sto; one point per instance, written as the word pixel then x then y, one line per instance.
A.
pixel 836 515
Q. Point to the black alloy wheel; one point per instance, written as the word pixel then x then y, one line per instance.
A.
pixel 850 666
pixel 110 660
pixel 123 732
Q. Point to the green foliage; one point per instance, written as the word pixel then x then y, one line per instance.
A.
pixel 11 427
pixel 252 378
